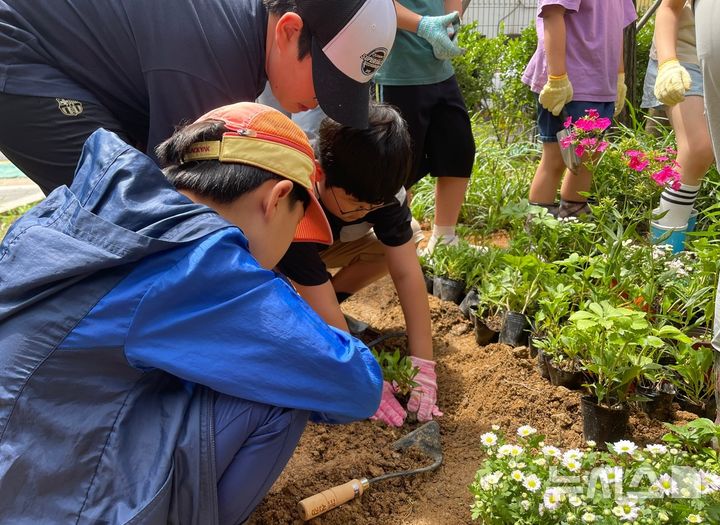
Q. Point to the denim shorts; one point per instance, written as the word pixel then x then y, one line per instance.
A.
pixel 649 100
pixel 548 124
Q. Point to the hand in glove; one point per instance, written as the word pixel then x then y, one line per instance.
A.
pixel 672 82
pixel 423 398
pixel 621 94
pixel 390 410
pixel 557 92
pixel 434 29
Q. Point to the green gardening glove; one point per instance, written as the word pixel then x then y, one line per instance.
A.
pixel 434 29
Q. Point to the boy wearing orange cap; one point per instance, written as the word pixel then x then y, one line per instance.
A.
pixel 154 368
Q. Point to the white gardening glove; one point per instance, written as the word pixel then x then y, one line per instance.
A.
pixel 390 410
pixel 423 398
pixel 672 82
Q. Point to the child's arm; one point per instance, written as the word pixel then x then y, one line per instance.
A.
pixel 621 92
pixel 323 300
pixel 434 29
pixel 558 90
pixel 408 279
pixel 673 79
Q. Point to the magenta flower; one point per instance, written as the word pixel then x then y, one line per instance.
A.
pixel 567 123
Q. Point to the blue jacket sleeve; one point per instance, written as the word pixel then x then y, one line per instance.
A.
pixel 219 320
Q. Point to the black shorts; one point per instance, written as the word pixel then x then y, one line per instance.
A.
pixel 439 125
pixel 44 136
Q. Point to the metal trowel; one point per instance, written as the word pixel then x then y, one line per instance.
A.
pixel 425 438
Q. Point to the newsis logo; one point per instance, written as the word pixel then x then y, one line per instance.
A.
pixel 372 61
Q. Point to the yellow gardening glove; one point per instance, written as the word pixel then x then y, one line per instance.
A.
pixel 672 82
pixel 621 94
pixel 556 93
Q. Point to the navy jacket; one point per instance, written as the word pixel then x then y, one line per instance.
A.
pixel 123 305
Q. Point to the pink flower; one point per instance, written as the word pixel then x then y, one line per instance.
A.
pixel 602 146
pixel 589 142
pixel 579 151
pixel 592 113
pixel 566 142
pixel 567 123
pixel 603 123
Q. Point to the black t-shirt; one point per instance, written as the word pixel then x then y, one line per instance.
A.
pixel 152 63
pixel 303 263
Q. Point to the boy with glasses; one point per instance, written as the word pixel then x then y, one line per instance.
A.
pixel 361 191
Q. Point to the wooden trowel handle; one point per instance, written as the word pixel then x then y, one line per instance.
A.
pixel 329 499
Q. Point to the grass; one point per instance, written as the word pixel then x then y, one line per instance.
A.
pixel 9 217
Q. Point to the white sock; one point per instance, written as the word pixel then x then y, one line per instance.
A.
pixel 678 204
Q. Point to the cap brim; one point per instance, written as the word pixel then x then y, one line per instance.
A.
pixel 314 226
pixel 341 98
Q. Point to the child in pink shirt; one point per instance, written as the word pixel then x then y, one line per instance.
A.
pixel 578 65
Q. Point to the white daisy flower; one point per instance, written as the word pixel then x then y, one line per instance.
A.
pixel 624 446
pixel 572 465
pixel 589 517
pixel 695 518
pixel 532 483
pixel 525 504
pixel 488 439
pixel 504 450
pixel 526 430
pixel 573 453
pixel 516 450
pixel 517 475
pixel 626 509
pixel 665 485
pixel 551 451
pixel 553 497
pixel 656 449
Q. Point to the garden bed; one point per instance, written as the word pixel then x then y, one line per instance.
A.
pixel 478 387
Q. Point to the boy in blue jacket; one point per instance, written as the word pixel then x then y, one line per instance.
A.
pixel 153 369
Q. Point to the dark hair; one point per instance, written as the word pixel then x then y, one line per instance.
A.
pixel 223 182
pixel 370 164
pixel 279 8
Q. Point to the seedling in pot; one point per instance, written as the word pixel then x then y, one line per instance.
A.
pixel 397 369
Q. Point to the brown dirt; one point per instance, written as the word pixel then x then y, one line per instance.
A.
pixel 478 387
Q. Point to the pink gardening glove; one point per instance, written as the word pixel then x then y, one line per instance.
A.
pixel 390 411
pixel 423 398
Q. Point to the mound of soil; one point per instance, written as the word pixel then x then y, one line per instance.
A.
pixel 478 387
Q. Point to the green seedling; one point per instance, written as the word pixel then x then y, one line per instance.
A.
pixel 397 369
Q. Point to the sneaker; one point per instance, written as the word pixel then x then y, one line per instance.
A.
pixel 574 209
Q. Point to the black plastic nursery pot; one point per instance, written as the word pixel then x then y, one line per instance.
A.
pixel 532 348
pixel 449 289
pixel 484 335
pixel 603 424
pixel 429 282
pixel 469 304
pixel 659 401
pixel 515 330
pixel 708 409
pixel 571 379
pixel 542 365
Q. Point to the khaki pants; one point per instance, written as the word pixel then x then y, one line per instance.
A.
pixel 366 249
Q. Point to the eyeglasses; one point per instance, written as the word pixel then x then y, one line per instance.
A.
pixel 370 208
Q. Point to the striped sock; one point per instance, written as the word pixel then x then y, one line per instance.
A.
pixel 678 204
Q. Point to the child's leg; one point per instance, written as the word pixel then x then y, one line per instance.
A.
pixel 450 152
pixel 695 156
pixel 253 443
pixel 361 263
pixel 548 175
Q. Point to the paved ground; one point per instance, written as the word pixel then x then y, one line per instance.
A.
pixel 15 189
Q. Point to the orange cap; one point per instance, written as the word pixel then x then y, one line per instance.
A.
pixel 263 137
